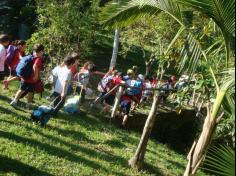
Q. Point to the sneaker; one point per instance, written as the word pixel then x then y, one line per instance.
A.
pixel 13 103
pixel 48 98
pixel 5 84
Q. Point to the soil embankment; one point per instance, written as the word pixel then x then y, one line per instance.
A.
pixel 176 130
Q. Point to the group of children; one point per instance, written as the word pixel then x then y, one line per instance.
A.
pixel 137 90
pixel 27 70
pixel 64 76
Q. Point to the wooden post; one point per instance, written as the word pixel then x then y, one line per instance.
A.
pixel 117 101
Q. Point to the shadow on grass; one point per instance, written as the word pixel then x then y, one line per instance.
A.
pixel 151 169
pixel 21 105
pixel 82 119
pixel 114 143
pixel 8 165
pixel 9 111
pixel 99 151
pixel 76 135
pixel 177 164
pixel 61 153
pixel 4 98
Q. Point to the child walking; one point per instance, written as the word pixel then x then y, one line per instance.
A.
pixel 63 74
pixel 4 42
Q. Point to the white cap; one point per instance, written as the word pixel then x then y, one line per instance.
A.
pixel 141 77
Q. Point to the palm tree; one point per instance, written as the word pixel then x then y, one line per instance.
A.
pixel 115 48
pixel 222 12
pixel 220 161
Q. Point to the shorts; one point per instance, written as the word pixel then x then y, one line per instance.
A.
pixel 27 87
pixel 13 73
pixel 138 96
pixel 126 105
pixel 6 70
pixel 110 100
pixel 2 75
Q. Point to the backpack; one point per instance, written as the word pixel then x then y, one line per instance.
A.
pixel 105 84
pixel 42 115
pixel 11 52
pixel 72 105
pixel 137 84
pixel 25 68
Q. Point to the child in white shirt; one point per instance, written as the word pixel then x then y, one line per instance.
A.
pixel 63 75
pixel 4 42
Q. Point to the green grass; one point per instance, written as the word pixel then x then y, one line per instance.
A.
pixel 74 145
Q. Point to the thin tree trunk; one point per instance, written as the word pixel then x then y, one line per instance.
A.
pixel 117 101
pixel 200 147
pixel 138 159
pixel 115 49
pixel 148 64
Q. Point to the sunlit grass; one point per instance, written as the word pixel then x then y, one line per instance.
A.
pixel 74 145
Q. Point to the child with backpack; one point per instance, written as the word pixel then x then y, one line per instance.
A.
pixel 137 91
pixel 64 75
pixel 4 42
pixel 29 71
pixel 14 54
pixel 104 86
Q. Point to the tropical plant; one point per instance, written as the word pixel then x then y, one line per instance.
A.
pixel 222 12
pixel 64 26
pixel 220 161
pixel 115 48
pixel 15 14
pixel 148 37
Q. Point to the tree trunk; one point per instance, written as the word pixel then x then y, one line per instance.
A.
pixel 147 68
pixel 117 101
pixel 138 159
pixel 115 49
pixel 200 147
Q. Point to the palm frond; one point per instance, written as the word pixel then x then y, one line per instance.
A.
pixel 228 83
pixel 228 106
pixel 221 11
pixel 172 8
pixel 123 13
pixel 180 31
pixel 223 14
pixel 190 55
pixel 220 161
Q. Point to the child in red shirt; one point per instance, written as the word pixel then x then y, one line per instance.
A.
pixel 28 85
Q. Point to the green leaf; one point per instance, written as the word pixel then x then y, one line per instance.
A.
pixel 220 161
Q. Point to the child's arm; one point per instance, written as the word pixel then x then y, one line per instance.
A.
pixel 36 72
pixel 99 73
pixel 65 85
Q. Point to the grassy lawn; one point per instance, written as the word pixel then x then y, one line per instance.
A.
pixel 74 145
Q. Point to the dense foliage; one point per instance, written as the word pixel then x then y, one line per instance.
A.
pixel 66 26
pixel 18 18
